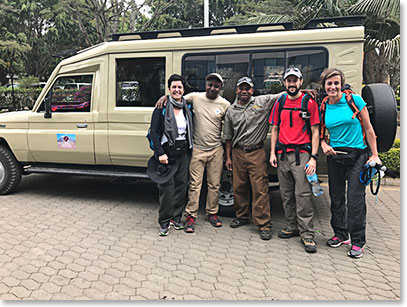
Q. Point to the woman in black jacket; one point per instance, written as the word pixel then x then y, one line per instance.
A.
pixel 171 134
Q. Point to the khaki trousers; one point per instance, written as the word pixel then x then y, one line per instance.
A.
pixel 296 194
pixel 250 171
pixel 212 160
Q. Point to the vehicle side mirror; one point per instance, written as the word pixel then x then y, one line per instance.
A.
pixel 48 99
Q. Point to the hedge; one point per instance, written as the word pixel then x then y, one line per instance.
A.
pixel 24 98
pixel 391 159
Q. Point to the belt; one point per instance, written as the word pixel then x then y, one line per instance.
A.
pixel 249 148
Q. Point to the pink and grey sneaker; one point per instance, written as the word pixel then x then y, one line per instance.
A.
pixel 355 252
pixel 336 242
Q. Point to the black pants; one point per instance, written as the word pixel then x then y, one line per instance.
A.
pixel 173 195
pixel 348 216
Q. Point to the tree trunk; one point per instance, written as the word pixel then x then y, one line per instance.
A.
pixel 133 16
pixel 375 68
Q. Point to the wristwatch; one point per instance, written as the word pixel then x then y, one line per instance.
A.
pixel 315 157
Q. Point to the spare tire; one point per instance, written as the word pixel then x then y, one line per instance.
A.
pixel 226 199
pixel 382 109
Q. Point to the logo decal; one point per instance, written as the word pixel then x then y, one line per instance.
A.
pixel 66 141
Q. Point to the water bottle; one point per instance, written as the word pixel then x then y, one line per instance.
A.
pixel 316 187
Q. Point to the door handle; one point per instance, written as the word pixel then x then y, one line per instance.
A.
pixel 82 125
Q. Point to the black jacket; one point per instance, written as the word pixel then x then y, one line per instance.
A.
pixel 157 130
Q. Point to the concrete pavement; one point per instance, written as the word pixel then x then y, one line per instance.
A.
pixel 79 238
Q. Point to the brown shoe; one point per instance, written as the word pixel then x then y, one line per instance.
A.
pixel 309 245
pixel 286 233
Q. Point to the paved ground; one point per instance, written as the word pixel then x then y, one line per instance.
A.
pixel 84 238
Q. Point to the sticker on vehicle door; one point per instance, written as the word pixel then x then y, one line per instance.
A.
pixel 66 141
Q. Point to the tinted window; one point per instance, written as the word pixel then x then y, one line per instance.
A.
pixel 139 81
pixel 71 94
pixel 266 68
pixel 230 66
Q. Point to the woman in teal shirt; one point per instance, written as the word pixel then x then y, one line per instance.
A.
pixel 347 153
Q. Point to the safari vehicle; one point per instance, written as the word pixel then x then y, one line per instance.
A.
pixel 96 130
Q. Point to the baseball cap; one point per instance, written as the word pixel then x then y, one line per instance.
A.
pixel 293 71
pixel 214 75
pixel 245 80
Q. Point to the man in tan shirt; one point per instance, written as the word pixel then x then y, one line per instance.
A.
pixel 245 130
pixel 209 111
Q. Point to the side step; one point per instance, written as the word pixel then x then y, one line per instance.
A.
pixel 108 171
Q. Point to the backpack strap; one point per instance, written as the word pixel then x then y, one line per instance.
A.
pixel 322 109
pixel 281 102
pixel 356 112
pixel 307 115
pixel 297 147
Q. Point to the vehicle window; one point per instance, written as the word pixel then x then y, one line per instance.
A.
pixel 71 94
pixel 139 81
pixel 266 68
pixel 311 62
pixel 231 67
pixel 267 71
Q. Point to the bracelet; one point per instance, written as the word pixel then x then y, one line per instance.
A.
pixel 315 157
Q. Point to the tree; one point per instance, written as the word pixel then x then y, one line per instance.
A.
pixel 382 42
pixel 382 27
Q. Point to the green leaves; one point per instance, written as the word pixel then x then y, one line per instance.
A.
pixel 391 159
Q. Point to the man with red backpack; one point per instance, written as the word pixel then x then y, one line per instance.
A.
pixel 294 148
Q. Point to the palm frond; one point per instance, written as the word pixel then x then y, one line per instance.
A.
pixel 273 18
pixel 380 8
pixel 390 47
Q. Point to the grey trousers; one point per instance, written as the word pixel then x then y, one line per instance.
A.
pixel 173 195
pixel 296 194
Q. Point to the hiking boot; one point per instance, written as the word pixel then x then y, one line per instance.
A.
pixel 336 242
pixel 164 229
pixel 286 233
pixel 177 224
pixel 236 223
pixel 355 252
pixel 214 220
pixel 309 245
pixel 189 225
pixel 265 234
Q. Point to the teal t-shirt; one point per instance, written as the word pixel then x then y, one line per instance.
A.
pixel 345 131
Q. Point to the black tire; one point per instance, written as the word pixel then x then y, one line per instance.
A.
pixel 10 171
pixel 382 108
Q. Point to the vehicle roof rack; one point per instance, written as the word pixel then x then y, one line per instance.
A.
pixel 340 21
pixel 239 29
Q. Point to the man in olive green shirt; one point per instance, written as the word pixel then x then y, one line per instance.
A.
pixel 245 131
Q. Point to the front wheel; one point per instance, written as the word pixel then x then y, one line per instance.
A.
pixel 10 171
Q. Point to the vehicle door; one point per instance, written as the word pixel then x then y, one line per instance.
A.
pixel 138 80
pixel 68 135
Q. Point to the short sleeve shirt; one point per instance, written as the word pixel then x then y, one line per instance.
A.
pixel 247 125
pixel 344 130
pixel 292 127
pixel 208 117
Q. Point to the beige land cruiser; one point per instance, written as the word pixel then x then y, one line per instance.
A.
pixel 94 112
